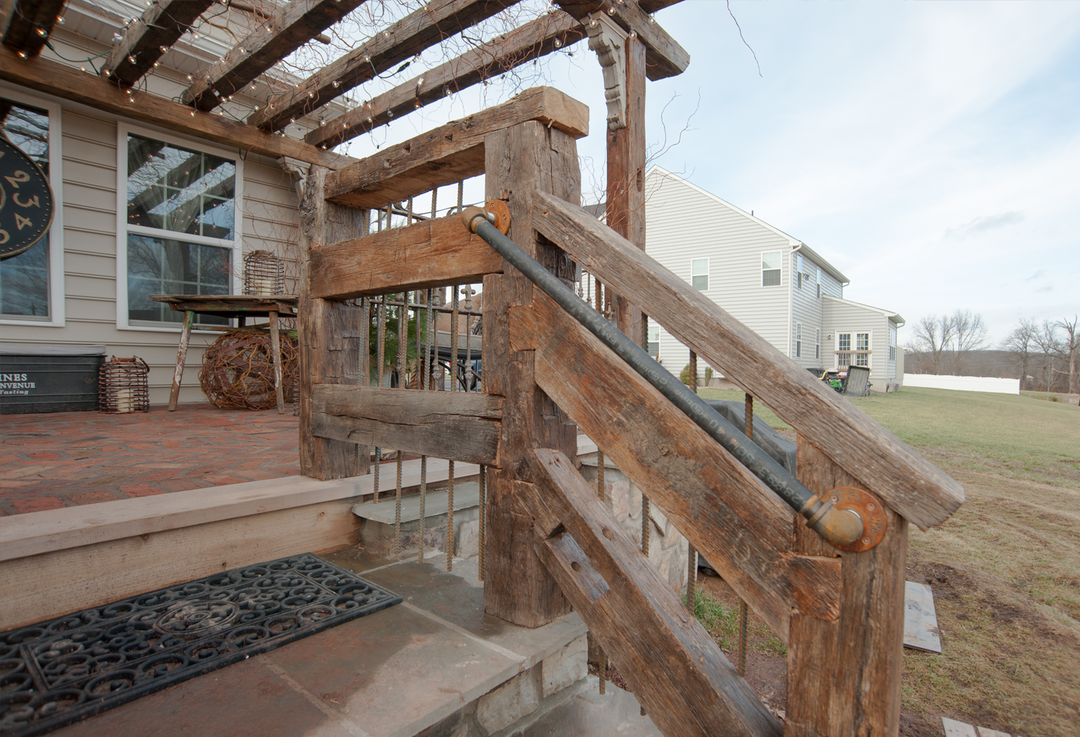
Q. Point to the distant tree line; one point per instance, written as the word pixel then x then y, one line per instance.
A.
pixel 1044 356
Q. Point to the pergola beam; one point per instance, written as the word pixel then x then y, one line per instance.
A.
pixel 71 84
pixel 29 23
pixel 520 46
pixel 289 29
pixel 664 57
pixel 147 39
pixel 408 37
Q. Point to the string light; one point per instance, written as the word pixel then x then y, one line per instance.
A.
pixel 131 58
pixel 42 32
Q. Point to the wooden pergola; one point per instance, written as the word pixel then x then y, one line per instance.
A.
pixel 552 544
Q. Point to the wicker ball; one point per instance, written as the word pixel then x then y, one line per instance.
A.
pixel 238 370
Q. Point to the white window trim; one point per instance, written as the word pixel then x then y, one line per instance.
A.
pixel 123 128
pixel 707 274
pixel 762 269
pixel 817 344
pixel 854 346
pixel 798 340
pixel 57 288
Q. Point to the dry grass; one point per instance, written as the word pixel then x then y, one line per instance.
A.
pixel 1005 569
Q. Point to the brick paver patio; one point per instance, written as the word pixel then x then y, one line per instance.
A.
pixel 68 459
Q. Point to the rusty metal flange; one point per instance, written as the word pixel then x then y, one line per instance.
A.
pixel 870 511
pixel 501 211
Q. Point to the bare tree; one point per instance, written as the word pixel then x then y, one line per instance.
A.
pixel 1046 339
pixel 1021 344
pixel 969 334
pixel 933 337
pixel 1071 347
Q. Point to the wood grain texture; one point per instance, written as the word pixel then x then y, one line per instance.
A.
pixel 458 426
pixel 162 24
pixel 329 334
pixel 427 254
pixel 533 40
pixel 420 30
pixel 671 663
pixel 879 461
pixel 72 84
pixel 740 526
pixel 844 675
pixel 289 28
pixel 25 19
pixel 519 162
pixel 450 152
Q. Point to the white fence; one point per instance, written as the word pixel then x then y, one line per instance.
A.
pixel 964 383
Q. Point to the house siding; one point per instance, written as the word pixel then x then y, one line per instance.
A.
pixel 842 316
pixel 684 223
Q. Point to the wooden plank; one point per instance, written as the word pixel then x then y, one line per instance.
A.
pixel 420 30
pixel 287 30
pixel 920 620
pixel 740 526
pixel 519 162
pixel 671 663
pixel 451 152
pixel 162 24
pixel 458 426
pixel 72 84
pixel 880 462
pixel 664 56
pixel 24 21
pixel 329 334
pixel 431 253
pixel 954 728
pixel 55 583
pixel 531 41
pixel 846 673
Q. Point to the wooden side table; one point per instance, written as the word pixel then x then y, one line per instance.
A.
pixel 240 306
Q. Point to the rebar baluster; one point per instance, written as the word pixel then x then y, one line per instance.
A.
pixel 365 361
pixel 483 520
pixel 691 553
pixel 380 358
pixel 744 612
pixel 601 662
pixel 454 314
pixel 403 319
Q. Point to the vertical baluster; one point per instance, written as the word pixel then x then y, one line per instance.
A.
pixel 453 387
pixel 691 554
pixel 743 609
pixel 380 359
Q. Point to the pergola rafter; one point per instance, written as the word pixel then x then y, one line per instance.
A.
pixel 27 24
pixel 664 57
pixel 287 30
pixel 147 39
pixel 404 39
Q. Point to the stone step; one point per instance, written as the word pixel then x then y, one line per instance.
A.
pixel 466 496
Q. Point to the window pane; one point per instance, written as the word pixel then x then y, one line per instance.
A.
pixel 863 341
pixel 165 266
pixel 24 279
pixel 770 278
pixel 174 188
pixel 699 266
pixel 700 282
pixel 845 341
pixel 770 260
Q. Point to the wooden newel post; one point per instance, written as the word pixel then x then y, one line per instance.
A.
pixel 844 675
pixel 519 161
pixel 330 346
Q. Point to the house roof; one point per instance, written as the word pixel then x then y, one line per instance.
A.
pixel 894 316
pixel 795 243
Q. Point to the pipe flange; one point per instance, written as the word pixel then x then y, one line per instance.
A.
pixel 870 511
pixel 501 211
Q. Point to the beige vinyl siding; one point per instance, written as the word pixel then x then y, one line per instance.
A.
pixel 842 316
pixel 684 223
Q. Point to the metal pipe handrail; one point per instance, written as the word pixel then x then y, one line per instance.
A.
pixel 839 527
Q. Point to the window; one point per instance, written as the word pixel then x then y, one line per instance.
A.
pixel 817 343
pixel 770 268
pixel 798 340
pixel 843 350
pixel 819 285
pixel 654 340
pixel 181 227
pixel 31 284
pixel 699 273
pixel 862 346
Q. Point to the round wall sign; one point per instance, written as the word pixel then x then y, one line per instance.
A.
pixel 26 202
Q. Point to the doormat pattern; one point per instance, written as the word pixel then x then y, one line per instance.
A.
pixel 57 672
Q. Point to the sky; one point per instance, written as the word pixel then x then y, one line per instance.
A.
pixel 929 150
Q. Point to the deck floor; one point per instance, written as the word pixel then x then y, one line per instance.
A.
pixel 68 459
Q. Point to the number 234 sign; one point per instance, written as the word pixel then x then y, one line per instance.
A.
pixel 26 203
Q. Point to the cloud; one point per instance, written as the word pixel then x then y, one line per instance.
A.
pixel 981 225
pixel 1038 274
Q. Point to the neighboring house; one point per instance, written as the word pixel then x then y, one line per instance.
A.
pixel 775 284
pixel 139 210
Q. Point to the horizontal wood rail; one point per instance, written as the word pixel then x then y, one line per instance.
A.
pixel 741 527
pixel 449 153
pixel 672 664
pixel 880 461
pixel 457 426
pixel 427 254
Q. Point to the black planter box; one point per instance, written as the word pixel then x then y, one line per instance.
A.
pixel 44 378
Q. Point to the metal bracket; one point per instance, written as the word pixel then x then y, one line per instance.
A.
pixel 870 511
pixel 608 40
pixel 501 212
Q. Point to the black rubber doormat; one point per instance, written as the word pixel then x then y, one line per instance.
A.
pixel 57 672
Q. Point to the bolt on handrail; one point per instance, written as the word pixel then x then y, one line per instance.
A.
pixel 840 527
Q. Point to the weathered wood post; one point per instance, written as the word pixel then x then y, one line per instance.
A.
pixel 844 675
pixel 330 345
pixel 520 161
